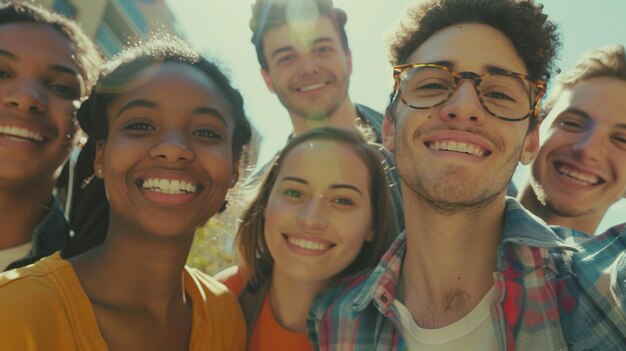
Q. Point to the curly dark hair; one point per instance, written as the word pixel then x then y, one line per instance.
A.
pixel 607 61
pixel 522 21
pixel 267 14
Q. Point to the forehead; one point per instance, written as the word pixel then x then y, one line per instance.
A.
pixel 602 99
pixel 470 47
pixel 175 85
pixel 299 34
pixel 325 160
pixel 38 42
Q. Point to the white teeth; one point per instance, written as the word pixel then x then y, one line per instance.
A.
pixel 450 145
pixel 21 133
pixel 167 186
pixel 308 245
pixel 578 177
pixel 312 87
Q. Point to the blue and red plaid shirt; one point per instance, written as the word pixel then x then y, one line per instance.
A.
pixel 548 295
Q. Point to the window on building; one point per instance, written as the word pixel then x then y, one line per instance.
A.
pixel 65 7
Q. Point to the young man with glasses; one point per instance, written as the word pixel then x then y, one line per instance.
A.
pixel 473 270
pixel 580 170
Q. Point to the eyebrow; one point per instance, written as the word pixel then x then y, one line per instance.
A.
pixel 585 115
pixel 333 186
pixel 576 111
pixel 135 104
pixel 8 54
pixel 211 112
pixel 152 105
pixel 290 47
pixel 55 67
pixel 488 68
pixel 281 50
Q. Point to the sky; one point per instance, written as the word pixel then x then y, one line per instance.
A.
pixel 220 28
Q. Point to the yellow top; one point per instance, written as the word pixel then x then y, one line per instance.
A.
pixel 43 307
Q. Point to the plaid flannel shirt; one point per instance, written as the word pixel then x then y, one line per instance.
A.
pixel 548 295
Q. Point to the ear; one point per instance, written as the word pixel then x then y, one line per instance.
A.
pixel 530 148
pixel 98 162
pixel 388 131
pixel 349 59
pixel 267 80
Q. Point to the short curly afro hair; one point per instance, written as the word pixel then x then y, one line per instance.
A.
pixel 522 21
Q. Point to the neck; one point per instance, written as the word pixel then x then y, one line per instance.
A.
pixel 587 223
pixel 21 211
pixel 344 116
pixel 450 259
pixel 291 300
pixel 131 271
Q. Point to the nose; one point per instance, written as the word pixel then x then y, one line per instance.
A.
pixel 309 66
pixel 313 215
pixel 27 96
pixel 464 105
pixel 172 148
pixel 590 145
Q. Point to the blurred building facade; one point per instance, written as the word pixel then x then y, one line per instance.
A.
pixel 114 23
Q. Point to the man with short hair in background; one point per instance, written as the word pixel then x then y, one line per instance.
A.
pixel 580 170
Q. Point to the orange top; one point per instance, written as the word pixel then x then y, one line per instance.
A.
pixel 44 307
pixel 268 334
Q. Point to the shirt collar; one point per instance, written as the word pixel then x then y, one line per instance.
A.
pixel 521 228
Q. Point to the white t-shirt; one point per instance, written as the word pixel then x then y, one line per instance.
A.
pixel 12 254
pixel 472 332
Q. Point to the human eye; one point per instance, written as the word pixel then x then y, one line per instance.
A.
pixel 64 90
pixel 292 193
pixel 343 201
pixel 4 74
pixel 432 86
pixel 138 126
pixel 620 141
pixel 285 59
pixel 504 89
pixel 207 133
pixel 499 96
pixel 571 124
pixel 324 50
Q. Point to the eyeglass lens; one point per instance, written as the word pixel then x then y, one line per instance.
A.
pixel 502 95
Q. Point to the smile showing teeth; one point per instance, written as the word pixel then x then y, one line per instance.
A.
pixel 167 186
pixel 308 245
pixel 578 177
pixel 312 87
pixel 21 133
pixel 456 146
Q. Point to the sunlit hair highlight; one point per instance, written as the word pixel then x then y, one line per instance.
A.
pixel 607 61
